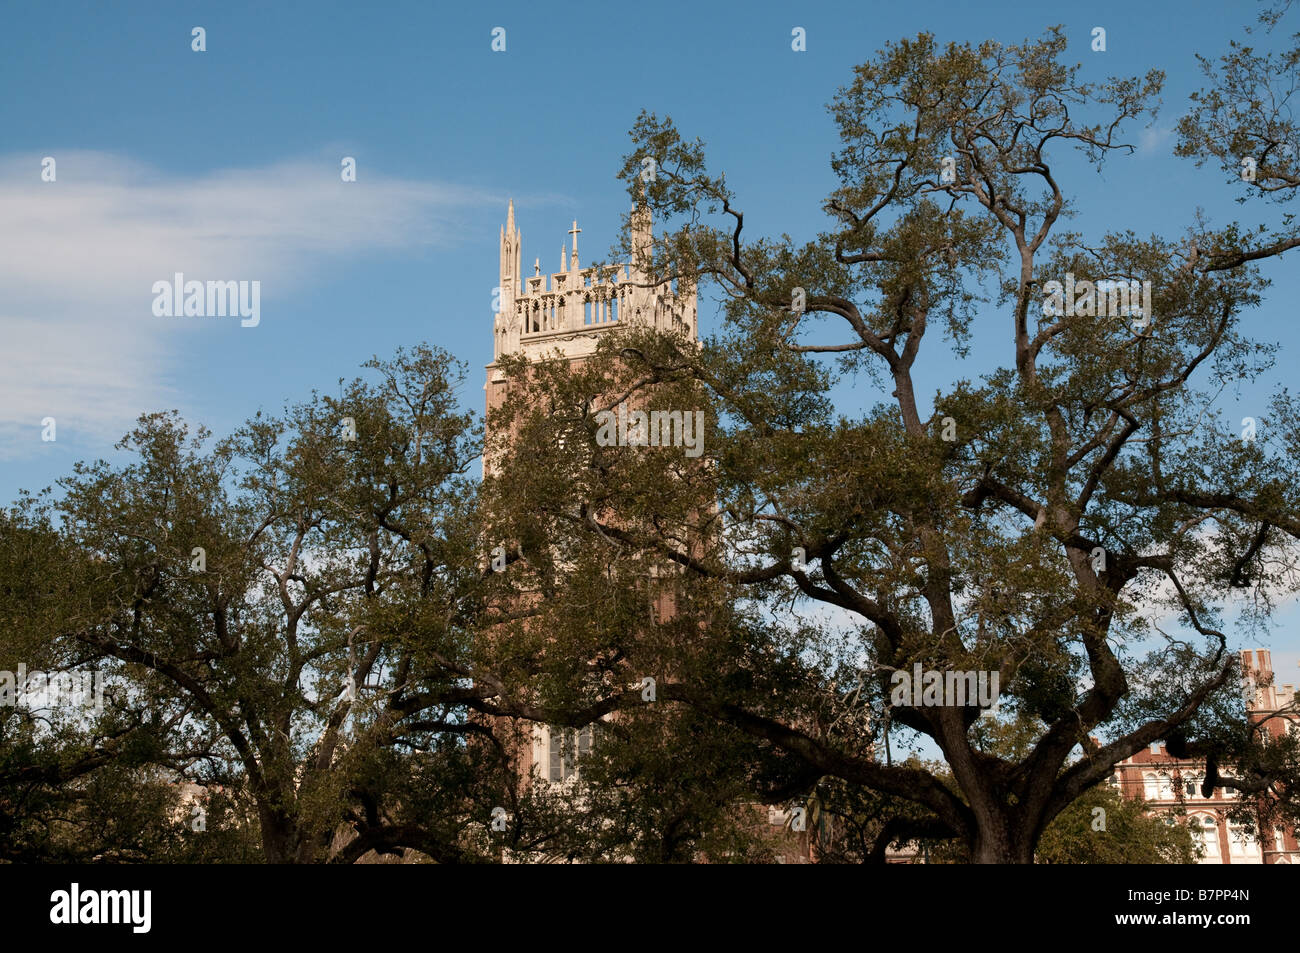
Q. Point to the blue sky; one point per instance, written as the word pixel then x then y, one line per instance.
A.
pixel 225 165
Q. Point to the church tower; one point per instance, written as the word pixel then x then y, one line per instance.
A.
pixel 561 316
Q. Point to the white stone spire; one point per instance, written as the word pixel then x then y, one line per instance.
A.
pixel 511 242
pixel 642 234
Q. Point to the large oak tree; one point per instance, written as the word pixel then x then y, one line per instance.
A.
pixel 1078 519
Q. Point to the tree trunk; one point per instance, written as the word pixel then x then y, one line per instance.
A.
pixel 1003 839
pixel 279 836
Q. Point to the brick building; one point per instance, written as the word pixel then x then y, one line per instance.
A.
pixel 1172 785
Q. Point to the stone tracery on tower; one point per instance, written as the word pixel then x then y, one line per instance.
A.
pixel 568 309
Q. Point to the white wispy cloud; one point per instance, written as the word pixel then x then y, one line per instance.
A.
pixel 79 256
pixel 1153 140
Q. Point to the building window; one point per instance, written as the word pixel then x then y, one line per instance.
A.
pixel 565 748
pixel 1157 787
pixel 1205 831
pixel 1192 786
pixel 1241 843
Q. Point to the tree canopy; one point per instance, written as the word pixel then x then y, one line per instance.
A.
pixel 1036 522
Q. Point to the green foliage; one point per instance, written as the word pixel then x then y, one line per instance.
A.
pixel 1130 835
pixel 1038 523
pixel 284 619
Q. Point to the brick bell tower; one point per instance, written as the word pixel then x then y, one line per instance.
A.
pixel 566 312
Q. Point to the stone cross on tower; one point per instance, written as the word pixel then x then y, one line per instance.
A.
pixel 574 232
